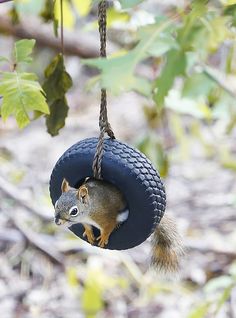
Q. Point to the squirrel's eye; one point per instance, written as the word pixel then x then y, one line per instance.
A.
pixel 74 211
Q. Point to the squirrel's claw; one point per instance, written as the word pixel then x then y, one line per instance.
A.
pixel 103 240
pixel 90 236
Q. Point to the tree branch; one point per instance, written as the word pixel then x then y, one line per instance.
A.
pixel 37 241
pixel 79 43
pixel 9 190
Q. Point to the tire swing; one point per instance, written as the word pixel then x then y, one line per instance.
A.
pixel 118 163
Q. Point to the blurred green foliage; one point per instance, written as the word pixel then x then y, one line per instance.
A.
pixel 186 54
pixel 190 55
pixel 217 292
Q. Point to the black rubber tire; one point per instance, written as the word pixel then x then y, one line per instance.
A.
pixel 131 172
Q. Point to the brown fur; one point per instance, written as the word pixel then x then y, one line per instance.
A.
pixel 167 247
pixel 88 232
pixel 102 202
pixel 65 186
pixel 109 202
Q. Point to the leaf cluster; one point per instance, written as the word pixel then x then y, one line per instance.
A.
pixel 21 92
pixel 181 49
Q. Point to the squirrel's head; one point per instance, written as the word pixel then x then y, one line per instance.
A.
pixel 71 205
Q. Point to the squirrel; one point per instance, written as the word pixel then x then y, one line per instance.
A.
pixel 100 204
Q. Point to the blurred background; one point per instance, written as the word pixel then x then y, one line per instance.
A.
pixel 172 88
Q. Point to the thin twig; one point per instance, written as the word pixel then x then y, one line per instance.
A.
pixel 36 240
pixel 2 1
pixel 62 28
pixel 11 191
pixel 219 79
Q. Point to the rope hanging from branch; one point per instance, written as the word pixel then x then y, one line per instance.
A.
pixel 104 124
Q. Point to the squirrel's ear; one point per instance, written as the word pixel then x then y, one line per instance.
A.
pixel 65 186
pixel 83 194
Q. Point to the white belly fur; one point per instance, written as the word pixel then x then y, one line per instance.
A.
pixel 88 220
pixel 123 216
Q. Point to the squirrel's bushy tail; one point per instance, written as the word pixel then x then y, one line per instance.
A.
pixel 167 247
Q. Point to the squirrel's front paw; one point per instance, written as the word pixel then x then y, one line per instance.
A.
pixel 103 240
pixel 90 236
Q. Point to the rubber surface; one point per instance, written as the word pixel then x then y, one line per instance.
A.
pixel 131 172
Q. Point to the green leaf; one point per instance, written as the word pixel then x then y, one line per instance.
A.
pixel 230 60
pixel 175 65
pixel 114 16
pixel 13 13
pixel 22 50
pixel 71 275
pixel 217 283
pixel 21 95
pixel 192 25
pixel 198 85
pixel 48 14
pixel 223 298
pixel 82 6
pixel 200 311
pixel 55 27
pixel 118 73
pixel 92 82
pixel 125 4
pixel 92 301
pixel 69 17
pixel 121 78
pixel 56 84
pixel 142 86
pixel 218 31
pixel 231 11
pixel 58 81
pixel 188 106
pixel 229 2
pixel 58 113
pixel 162 44
pixel 48 11
pixel 229 163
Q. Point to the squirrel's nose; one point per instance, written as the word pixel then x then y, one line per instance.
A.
pixel 58 221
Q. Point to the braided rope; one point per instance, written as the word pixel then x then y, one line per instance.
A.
pixel 104 124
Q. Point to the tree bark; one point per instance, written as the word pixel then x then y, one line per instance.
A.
pixel 78 43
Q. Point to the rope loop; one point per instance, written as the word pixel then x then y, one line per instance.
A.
pixel 104 125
